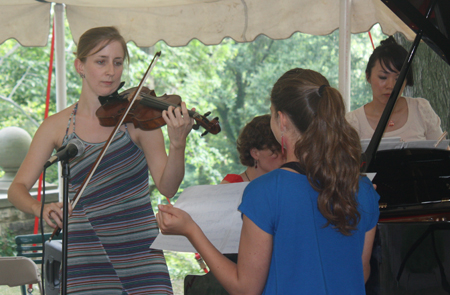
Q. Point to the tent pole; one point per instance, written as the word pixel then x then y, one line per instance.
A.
pixel 60 58
pixel 60 68
pixel 344 51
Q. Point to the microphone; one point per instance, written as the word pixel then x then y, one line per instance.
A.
pixel 73 149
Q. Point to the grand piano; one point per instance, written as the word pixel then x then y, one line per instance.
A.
pixel 411 252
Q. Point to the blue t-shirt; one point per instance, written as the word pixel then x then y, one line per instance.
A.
pixel 308 258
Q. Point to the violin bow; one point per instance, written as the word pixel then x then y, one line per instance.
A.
pixel 108 142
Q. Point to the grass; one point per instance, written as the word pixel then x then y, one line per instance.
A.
pixel 5 290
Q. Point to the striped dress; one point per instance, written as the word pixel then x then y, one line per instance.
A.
pixel 113 224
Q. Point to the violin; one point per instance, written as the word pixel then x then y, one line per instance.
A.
pixel 146 112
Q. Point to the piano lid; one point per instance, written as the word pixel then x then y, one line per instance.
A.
pixel 436 29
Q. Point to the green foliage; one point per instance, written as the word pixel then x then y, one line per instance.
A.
pixel 7 244
pixel 231 80
pixel 181 264
pixel 430 82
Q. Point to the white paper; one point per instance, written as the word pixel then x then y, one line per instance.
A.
pixel 387 143
pixel 214 209
pixel 391 143
pixel 371 175
pixel 430 144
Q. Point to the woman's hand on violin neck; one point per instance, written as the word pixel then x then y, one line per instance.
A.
pixel 179 124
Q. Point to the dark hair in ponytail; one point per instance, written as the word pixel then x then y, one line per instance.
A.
pixel 328 150
pixel 391 56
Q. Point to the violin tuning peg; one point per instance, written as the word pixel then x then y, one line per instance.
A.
pixel 216 118
pixel 204 133
pixel 195 127
pixel 207 114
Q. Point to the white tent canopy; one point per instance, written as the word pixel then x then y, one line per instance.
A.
pixel 178 21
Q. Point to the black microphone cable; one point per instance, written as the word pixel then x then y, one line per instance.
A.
pixel 42 232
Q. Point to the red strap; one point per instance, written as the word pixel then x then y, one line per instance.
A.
pixel 47 104
pixel 371 40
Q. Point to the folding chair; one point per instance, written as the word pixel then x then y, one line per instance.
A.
pixel 19 271
pixel 31 246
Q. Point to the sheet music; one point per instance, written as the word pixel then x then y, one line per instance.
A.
pixel 214 209
pixel 387 143
pixel 427 144
pixel 391 143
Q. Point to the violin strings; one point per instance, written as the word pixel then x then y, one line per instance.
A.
pixel 162 105
pixel 153 102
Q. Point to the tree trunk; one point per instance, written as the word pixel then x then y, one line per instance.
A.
pixel 431 75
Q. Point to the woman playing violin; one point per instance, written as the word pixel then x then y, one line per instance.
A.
pixel 112 226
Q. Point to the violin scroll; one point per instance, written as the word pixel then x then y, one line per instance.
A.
pixel 212 126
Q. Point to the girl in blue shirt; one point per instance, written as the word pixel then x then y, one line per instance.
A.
pixel 308 227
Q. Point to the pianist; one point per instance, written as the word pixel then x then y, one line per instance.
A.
pixel 412 119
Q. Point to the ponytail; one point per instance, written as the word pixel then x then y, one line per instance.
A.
pixel 328 150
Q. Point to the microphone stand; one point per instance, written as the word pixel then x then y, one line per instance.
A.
pixel 65 175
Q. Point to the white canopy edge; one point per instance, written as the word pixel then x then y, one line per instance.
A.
pixel 134 3
pixel 177 22
pixel 29 24
pixel 241 20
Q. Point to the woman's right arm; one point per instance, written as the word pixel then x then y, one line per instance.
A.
pixel 44 142
pixel 249 275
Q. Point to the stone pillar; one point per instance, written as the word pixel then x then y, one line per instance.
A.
pixel 14 145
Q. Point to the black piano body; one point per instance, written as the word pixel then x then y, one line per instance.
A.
pixel 411 252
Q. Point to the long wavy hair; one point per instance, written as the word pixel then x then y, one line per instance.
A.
pixel 329 149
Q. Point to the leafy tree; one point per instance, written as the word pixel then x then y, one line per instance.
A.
pixel 21 92
pixel 231 80
pixel 430 82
